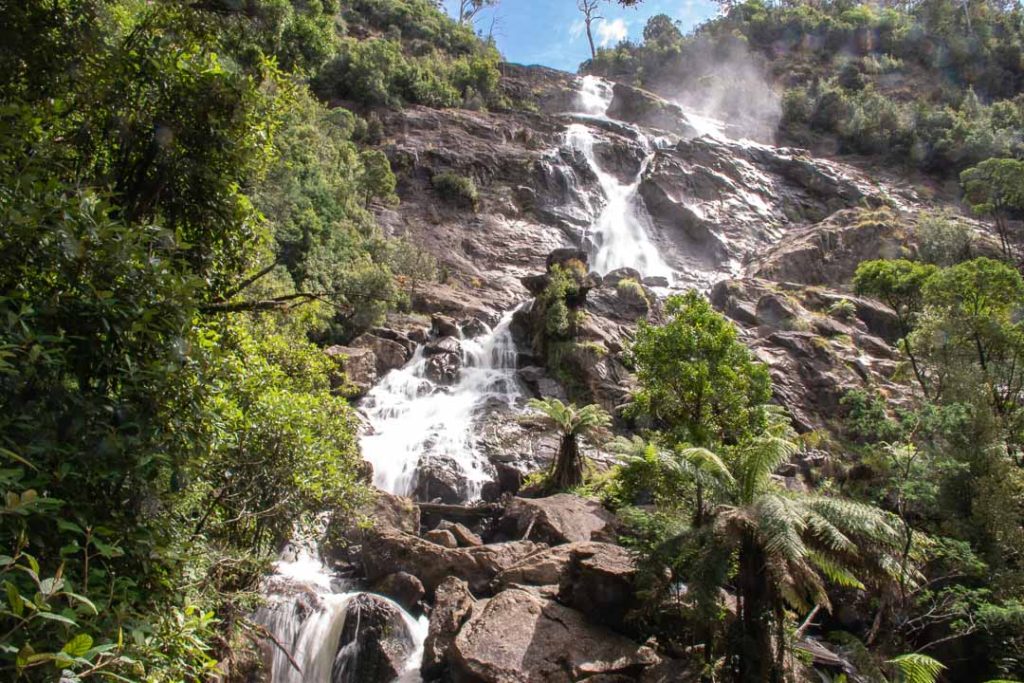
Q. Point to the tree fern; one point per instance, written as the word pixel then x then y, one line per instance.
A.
pixel 916 668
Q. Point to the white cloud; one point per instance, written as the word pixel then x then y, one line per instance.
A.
pixel 612 32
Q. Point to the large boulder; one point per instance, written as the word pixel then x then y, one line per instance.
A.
pixel 595 578
pixel 403 588
pixel 440 478
pixel 375 642
pixel 390 354
pixel 519 636
pixel 389 550
pixel 359 366
pixel 452 605
pixel 561 518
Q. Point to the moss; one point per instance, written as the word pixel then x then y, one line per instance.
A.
pixel 631 290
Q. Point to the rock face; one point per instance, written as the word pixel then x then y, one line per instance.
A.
pixel 390 354
pixel 452 605
pixel 562 518
pixel 375 642
pixel 359 366
pixel 518 636
pixel 594 578
pixel 389 551
pixel 403 588
pixel 440 478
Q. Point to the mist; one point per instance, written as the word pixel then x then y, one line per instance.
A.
pixel 722 80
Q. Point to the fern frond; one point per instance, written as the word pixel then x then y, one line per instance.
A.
pixel 916 668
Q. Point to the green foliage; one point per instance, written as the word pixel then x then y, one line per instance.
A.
pixel 916 668
pixel 458 190
pixel 572 424
pixel 424 57
pixel 178 217
pixel 844 309
pixel 995 188
pixel 698 381
pixel 944 240
pixel 934 84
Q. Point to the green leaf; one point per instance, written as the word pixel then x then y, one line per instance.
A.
pixel 53 616
pixel 78 646
pixel 14 599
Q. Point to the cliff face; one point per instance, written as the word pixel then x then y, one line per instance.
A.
pixel 774 234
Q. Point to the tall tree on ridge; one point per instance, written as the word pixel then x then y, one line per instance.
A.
pixel 590 15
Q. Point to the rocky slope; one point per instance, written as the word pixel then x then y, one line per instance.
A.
pixel 537 590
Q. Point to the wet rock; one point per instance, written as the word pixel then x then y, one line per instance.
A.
pixel 442 537
pixel 440 478
pixel 655 281
pixel 614 277
pixel 540 384
pixel 452 605
pixel 561 518
pixel 387 551
pixel 518 636
pixel 390 354
pixel 403 588
pixel 444 326
pixel 359 366
pixel 562 256
pixel 444 368
pixel 375 642
pixel 444 345
pixel 463 535
pixel 594 578
pixel 473 328
pixel 647 109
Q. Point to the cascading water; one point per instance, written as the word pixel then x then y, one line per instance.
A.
pixel 620 237
pixel 412 417
pixel 306 612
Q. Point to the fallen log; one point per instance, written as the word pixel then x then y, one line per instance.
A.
pixel 460 512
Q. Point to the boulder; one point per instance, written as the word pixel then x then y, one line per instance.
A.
pixel 394 512
pixel 443 346
pixel 452 605
pixel 774 311
pixel 614 277
pixel 564 255
pixel 359 365
pixel 440 478
pixel 444 326
pixel 462 534
pixel 443 369
pixel 561 518
pixel 655 281
pixel 518 636
pixel 387 551
pixel 390 354
pixel 594 578
pixel 442 537
pixel 403 588
pixel 375 642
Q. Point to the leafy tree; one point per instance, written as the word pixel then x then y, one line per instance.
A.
pixel 698 381
pixel 573 424
pixel 898 284
pixel 377 180
pixel 775 548
pixel 995 188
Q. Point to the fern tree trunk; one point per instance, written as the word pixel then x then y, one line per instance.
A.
pixel 756 660
pixel 569 465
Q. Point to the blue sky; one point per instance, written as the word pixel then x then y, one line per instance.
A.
pixel 549 32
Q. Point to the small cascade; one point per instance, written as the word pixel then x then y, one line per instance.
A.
pixel 412 416
pixel 306 613
pixel 620 237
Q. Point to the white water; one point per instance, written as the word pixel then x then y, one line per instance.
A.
pixel 312 635
pixel 412 417
pixel 620 237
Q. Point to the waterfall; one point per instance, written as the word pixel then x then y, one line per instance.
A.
pixel 305 612
pixel 412 416
pixel 620 237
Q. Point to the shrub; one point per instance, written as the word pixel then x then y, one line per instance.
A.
pixel 631 290
pixel 456 189
pixel 844 309
pixel 944 241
